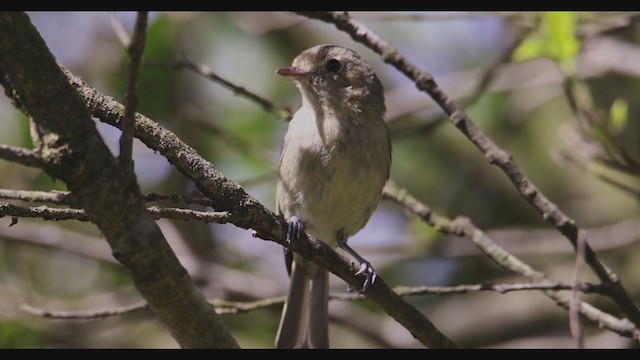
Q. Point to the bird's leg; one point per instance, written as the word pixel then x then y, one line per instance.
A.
pixel 365 267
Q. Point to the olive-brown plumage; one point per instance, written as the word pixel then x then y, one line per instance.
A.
pixel 335 160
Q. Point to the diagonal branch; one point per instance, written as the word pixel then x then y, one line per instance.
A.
pixel 205 71
pixel 492 152
pixel 464 227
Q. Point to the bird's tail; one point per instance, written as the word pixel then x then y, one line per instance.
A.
pixel 306 310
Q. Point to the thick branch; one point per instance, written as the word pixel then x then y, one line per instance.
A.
pixel 494 154
pixel 73 151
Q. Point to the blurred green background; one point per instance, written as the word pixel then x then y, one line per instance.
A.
pixel 524 108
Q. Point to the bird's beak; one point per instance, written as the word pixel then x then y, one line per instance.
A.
pixel 292 72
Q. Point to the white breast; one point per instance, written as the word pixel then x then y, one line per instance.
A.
pixel 330 176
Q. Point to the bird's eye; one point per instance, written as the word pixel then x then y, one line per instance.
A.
pixel 333 65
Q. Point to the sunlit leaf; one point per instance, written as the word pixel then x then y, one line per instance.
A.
pixel 531 48
pixel 556 41
pixel 562 42
pixel 618 115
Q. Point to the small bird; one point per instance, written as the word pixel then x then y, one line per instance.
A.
pixel 335 160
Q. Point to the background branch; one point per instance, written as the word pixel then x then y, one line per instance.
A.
pixel 237 307
pixel 135 50
pixel 205 71
pixel 464 227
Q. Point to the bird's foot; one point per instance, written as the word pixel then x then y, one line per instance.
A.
pixel 294 230
pixel 370 277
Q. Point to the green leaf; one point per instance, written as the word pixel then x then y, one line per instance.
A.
pixel 618 115
pixel 560 26
pixel 556 41
pixel 531 48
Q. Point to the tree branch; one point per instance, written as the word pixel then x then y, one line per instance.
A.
pixel 158 212
pixel 239 307
pixel 203 70
pixel 55 197
pixel 20 155
pixel 42 212
pixel 479 88
pixel 464 227
pixel 135 50
pixel 494 154
pixel 72 150
pixel 66 198
pixel 588 166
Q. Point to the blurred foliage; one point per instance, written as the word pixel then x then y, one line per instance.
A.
pixel 14 334
pixel 525 110
pixel 556 39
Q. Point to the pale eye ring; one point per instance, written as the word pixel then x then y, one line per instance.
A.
pixel 333 65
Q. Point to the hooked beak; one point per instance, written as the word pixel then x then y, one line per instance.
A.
pixel 292 72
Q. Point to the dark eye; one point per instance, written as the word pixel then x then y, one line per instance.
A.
pixel 333 65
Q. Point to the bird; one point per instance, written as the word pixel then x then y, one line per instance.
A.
pixel 334 163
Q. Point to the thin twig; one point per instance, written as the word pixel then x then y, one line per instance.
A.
pixel 42 212
pixel 437 16
pixel 84 315
pixel 20 155
pixel 493 153
pixel 238 307
pixel 464 227
pixel 575 324
pixel 54 197
pixel 527 241
pixel 66 198
pixel 57 214
pixel 480 86
pixel 176 198
pixel 587 166
pixel 135 50
pixel 119 30
pixel 248 148
pixel 203 70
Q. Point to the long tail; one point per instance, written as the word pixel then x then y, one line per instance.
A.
pixel 306 308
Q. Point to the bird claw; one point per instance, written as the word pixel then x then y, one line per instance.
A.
pixel 294 230
pixel 370 277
